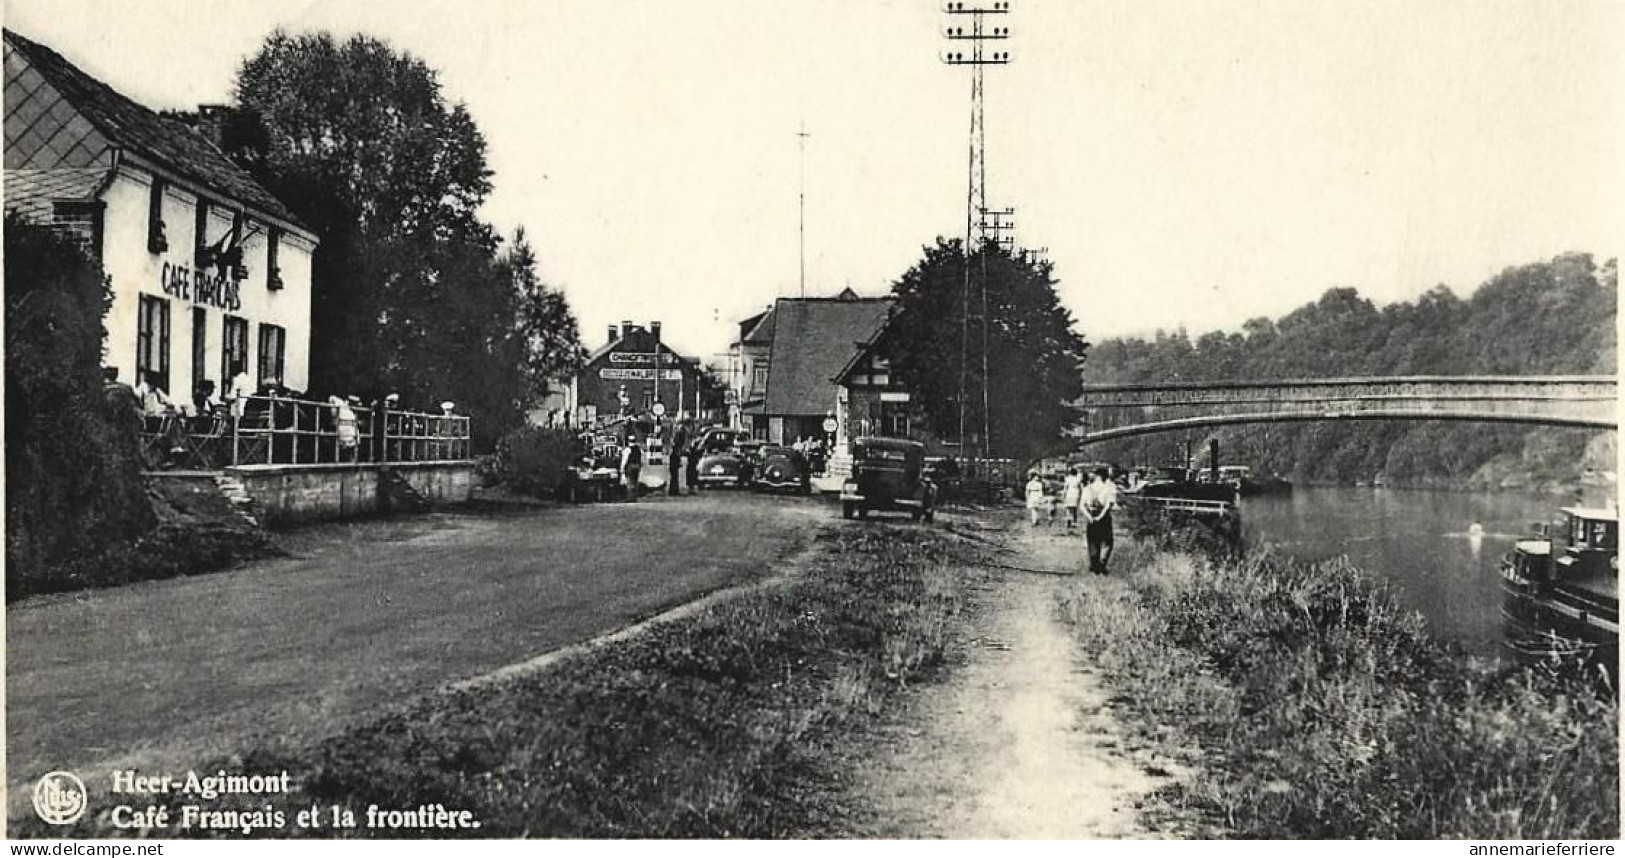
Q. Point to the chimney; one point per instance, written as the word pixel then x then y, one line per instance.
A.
pixel 627 328
pixel 614 333
pixel 654 328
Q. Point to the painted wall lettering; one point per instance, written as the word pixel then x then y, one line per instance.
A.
pixel 197 286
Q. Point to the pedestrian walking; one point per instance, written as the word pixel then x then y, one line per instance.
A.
pixel 1099 499
pixel 631 466
pixel 1035 496
pixel 1072 495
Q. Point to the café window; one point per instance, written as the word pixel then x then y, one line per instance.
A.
pixel 157 242
pixel 273 273
pixel 152 341
pixel 273 346
pixel 234 351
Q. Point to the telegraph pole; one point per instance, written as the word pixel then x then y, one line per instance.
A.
pixel 978 57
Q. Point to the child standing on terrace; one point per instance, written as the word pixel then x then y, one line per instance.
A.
pixel 1036 501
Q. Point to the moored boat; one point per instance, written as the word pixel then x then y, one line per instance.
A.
pixel 1561 590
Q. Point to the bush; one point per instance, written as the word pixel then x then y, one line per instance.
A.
pixel 534 459
pixel 1324 710
pixel 73 467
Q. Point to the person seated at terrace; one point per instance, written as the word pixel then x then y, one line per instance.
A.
pixel 154 402
pixel 204 398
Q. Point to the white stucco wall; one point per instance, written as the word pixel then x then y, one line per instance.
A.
pixel 135 271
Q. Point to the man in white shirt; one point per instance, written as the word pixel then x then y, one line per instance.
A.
pixel 241 388
pixel 1099 499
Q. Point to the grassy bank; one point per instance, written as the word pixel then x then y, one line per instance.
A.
pixel 1311 705
pixel 737 721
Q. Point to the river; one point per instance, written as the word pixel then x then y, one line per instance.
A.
pixel 1419 541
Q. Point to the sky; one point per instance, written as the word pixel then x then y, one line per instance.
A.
pixel 1185 163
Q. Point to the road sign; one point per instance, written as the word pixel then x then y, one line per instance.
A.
pixel 829 424
pixel 659 409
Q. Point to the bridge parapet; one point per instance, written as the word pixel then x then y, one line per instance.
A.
pixel 1133 409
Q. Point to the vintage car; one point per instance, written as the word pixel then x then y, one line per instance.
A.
pixel 726 457
pixel 888 474
pixel 779 467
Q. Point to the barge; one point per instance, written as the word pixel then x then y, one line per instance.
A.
pixel 1560 590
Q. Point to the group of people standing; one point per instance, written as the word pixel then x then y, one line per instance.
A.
pixel 1095 499
pixel 682 460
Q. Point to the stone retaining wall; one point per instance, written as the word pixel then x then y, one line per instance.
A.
pixel 291 494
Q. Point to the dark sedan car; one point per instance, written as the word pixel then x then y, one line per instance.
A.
pixel 726 458
pixel 888 474
pixel 782 468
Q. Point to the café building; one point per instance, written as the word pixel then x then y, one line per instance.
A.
pixel 209 272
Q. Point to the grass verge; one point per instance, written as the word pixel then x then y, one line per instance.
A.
pixel 1311 705
pixel 734 722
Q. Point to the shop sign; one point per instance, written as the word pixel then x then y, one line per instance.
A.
pixel 632 357
pixel 617 373
pixel 200 287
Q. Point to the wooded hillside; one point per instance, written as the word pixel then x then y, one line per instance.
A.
pixel 1555 317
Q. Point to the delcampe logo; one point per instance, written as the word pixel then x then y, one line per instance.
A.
pixel 59 798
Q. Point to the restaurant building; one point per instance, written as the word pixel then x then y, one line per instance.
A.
pixel 631 372
pixel 208 271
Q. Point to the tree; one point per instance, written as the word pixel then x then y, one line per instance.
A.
pixel 409 292
pixel 73 467
pixel 1033 356
pixel 546 324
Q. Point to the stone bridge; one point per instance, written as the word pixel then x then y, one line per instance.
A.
pixel 1124 410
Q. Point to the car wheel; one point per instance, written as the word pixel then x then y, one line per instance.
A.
pixel 847 510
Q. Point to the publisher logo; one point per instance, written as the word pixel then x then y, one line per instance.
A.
pixel 59 798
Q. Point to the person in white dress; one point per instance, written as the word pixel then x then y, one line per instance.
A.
pixel 1036 501
pixel 1072 495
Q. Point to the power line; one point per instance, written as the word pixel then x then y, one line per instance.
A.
pixel 978 58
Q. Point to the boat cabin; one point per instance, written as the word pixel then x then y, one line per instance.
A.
pixel 1592 537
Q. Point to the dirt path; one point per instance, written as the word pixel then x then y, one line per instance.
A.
pixel 1019 743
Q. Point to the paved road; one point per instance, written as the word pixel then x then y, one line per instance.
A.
pixel 170 672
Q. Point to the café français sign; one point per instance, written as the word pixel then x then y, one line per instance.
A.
pixel 200 287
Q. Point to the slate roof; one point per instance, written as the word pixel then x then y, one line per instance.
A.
pixel 32 192
pixel 127 124
pixel 813 339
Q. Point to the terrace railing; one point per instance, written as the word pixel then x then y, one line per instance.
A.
pixel 273 430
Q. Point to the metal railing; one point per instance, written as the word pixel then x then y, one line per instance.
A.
pixel 1189 506
pixel 273 430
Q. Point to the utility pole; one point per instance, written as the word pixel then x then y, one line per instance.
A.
pixel 978 57
pixel 801 144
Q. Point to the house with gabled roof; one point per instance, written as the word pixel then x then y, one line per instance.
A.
pixel 789 356
pixel 209 272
